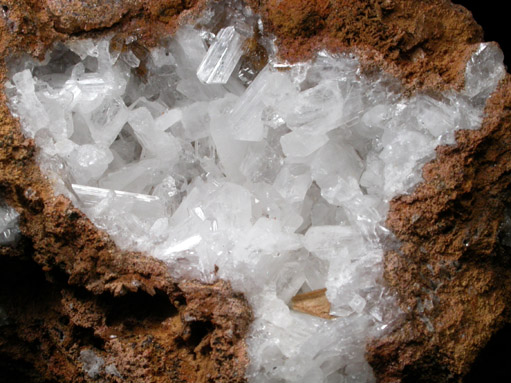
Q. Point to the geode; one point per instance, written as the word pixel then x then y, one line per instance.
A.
pixel 266 147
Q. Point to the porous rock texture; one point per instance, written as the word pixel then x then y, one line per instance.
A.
pixel 78 309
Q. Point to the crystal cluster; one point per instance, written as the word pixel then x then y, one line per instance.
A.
pixel 278 182
pixel 9 231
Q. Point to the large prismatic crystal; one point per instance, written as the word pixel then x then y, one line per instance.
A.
pixel 279 184
pixel 222 57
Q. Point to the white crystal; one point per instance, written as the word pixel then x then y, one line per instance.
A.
pixel 135 176
pixel 9 231
pixel 484 70
pixel 315 110
pixel 323 240
pixel 222 57
pixel 89 162
pixel 334 168
pixel 261 163
pixel 161 57
pixel 131 59
pixel 91 196
pixel 269 88
pixel 196 121
pixel 107 121
pixel 302 144
pixel 155 143
pixel 292 182
pixel 91 363
pixel 29 107
pixel 357 303
pixel 168 119
pixel 168 193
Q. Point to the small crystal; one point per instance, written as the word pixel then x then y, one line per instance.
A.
pixel 89 162
pixel 269 87
pixel 168 119
pixel 131 59
pixel 357 303
pixel 319 239
pixel 292 182
pixel 29 106
pixel 91 363
pixel 195 121
pixel 9 231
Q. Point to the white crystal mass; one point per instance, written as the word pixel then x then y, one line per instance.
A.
pixel 282 185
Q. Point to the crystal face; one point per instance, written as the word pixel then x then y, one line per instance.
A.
pixel 278 182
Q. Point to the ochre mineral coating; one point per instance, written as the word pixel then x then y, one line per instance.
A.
pixel 66 288
pixel 312 303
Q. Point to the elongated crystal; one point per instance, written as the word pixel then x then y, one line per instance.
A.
pixel 90 196
pixel 222 57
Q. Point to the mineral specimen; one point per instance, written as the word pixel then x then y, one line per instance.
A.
pixel 280 187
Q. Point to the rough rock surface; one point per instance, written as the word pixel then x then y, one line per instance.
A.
pixel 451 270
pixel 78 309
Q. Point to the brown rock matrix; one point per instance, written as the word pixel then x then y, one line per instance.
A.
pixel 452 255
pixel 69 293
pixel 425 43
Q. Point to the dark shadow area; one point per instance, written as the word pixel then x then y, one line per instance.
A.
pixel 19 371
pixel 133 308
pixel 493 17
pixel 198 331
pixel 494 362
pixel 86 337
pixel 426 370
pixel 24 297
pixel 23 283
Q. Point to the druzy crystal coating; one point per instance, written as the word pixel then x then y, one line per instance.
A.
pixel 279 183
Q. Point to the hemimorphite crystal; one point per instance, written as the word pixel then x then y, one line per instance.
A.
pixel 483 72
pixel 222 57
pixel 280 185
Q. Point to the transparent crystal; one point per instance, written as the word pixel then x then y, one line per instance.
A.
pixel 483 72
pixel 222 57
pixel 9 230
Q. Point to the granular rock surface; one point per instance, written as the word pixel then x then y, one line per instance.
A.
pixel 78 309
